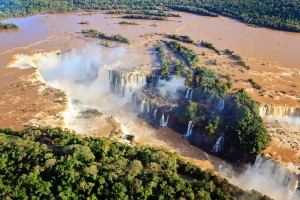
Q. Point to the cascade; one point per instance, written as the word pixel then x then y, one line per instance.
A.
pixel 187 93
pixel 278 110
pixel 264 110
pixel 164 122
pixel 189 131
pixel 276 172
pixel 125 83
pixel 218 147
pixel 154 113
pixel 191 95
pixel 220 104
pixel 148 108
pixel 142 106
pixel 110 75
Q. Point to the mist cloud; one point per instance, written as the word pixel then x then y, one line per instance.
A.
pixel 171 87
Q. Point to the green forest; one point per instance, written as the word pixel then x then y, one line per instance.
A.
pixel 277 14
pixel 51 163
pixel 100 35
pixel 240 122
pixel 4 26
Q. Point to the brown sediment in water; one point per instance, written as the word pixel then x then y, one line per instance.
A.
pixel 20 100
pixel 272 56
pixel 285 144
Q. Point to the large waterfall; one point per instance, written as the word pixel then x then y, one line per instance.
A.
pixel 275 171
pixel 279 111
pixel 189 131
pixel 271 178
pixel 218 147
pixel 125 83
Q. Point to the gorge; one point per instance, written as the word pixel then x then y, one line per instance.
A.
pixel 99 88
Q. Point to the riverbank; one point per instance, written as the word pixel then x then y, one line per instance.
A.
pixel 51 33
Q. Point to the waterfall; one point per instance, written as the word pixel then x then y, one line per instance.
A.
pixel 276 172
pixel 191 94
pixel 264 110
pixel 164 122
pixel 220 104
pixel 148 108
pixel 218 147
pixel 110 75
pixel 189 131
pixel 154 113
pixel 187 93
pixel 278 110
pixel 125 83
pixel 142 107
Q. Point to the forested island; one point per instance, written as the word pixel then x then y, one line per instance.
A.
pixel 201 106
pixel 100 35
pixel 51 163
pixel 5 26
pixel 276 14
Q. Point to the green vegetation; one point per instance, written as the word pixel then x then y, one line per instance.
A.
pixel 49 163
pixel 144 12
pixel 254 84
pixel 181 38
pixel 238 58
pixel 209 46
pixel 189 56
pixel 277 14
pixel 95 33
pixel 127 23
pixel 194 10
pixel 229 52
pixel 246 134
pixel 207 81
pixel 162 55
pixel 179 70
pixel 5 26
pixel 147 17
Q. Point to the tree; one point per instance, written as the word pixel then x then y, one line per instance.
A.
pixel 246 134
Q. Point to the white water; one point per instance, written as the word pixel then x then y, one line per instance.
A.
pixel 154 113
pixel 218 147
pixel 74 77
pixel 189 94
pixel 127 82
pixel 271 179
pixel 221 104
pixel 285 114
pixel 189 131
pixel 142 108
pixel 148 108
pixel 278 111
pixel 164 122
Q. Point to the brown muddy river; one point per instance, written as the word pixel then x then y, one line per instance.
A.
pixel 252 43
pixel 48 32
